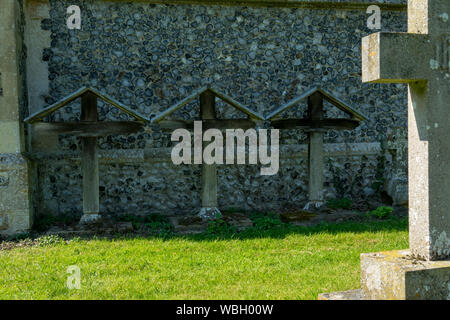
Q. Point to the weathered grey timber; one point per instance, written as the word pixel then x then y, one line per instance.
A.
pixel 209 172
pixel 89 128
pixel 86 129
pixel 207 96
pixel 315 124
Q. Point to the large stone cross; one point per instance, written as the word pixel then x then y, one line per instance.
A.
pixel 420 58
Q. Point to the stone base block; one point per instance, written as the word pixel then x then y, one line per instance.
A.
pixel 209 213
pixel 89 219
pixel 395 275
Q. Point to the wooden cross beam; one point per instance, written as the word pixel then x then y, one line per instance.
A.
pixel 420 58
pixel 329 124
pixel 209 208
pixel 89 158
pixel 220 124
pixel 87 128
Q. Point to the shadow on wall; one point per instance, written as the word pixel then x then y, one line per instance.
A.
pixel 284 231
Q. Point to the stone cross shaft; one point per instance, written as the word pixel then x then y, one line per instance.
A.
pixel 420 58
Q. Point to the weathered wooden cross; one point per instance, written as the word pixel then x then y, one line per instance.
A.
pixel 420 58
pixel 89 128
pixel 209 120
pixel 316 125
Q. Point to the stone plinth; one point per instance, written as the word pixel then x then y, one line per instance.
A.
pixel 395 275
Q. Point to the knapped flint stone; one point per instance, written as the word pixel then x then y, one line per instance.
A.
pixel 4 179
pixel 209 213
pixel 189 220
pixel 90 219
pixel 124 227
pixel 3 221
pixel 238 220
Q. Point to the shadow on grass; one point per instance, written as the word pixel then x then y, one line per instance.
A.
pixel 284 230
pixel 262 228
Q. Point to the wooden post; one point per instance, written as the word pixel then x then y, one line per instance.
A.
pixel 89 163
pixel 315 152
pixel 209 173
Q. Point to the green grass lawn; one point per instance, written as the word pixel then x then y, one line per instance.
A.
pixel 282 263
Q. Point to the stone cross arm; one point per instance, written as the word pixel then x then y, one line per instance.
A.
pixel 327 123
pixel 396 57
pixel 88 128
pixel 420 59
pixel 414 56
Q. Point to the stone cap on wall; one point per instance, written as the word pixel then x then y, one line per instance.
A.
pixel 323 4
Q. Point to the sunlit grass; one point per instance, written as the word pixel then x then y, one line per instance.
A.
pixel 285 263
